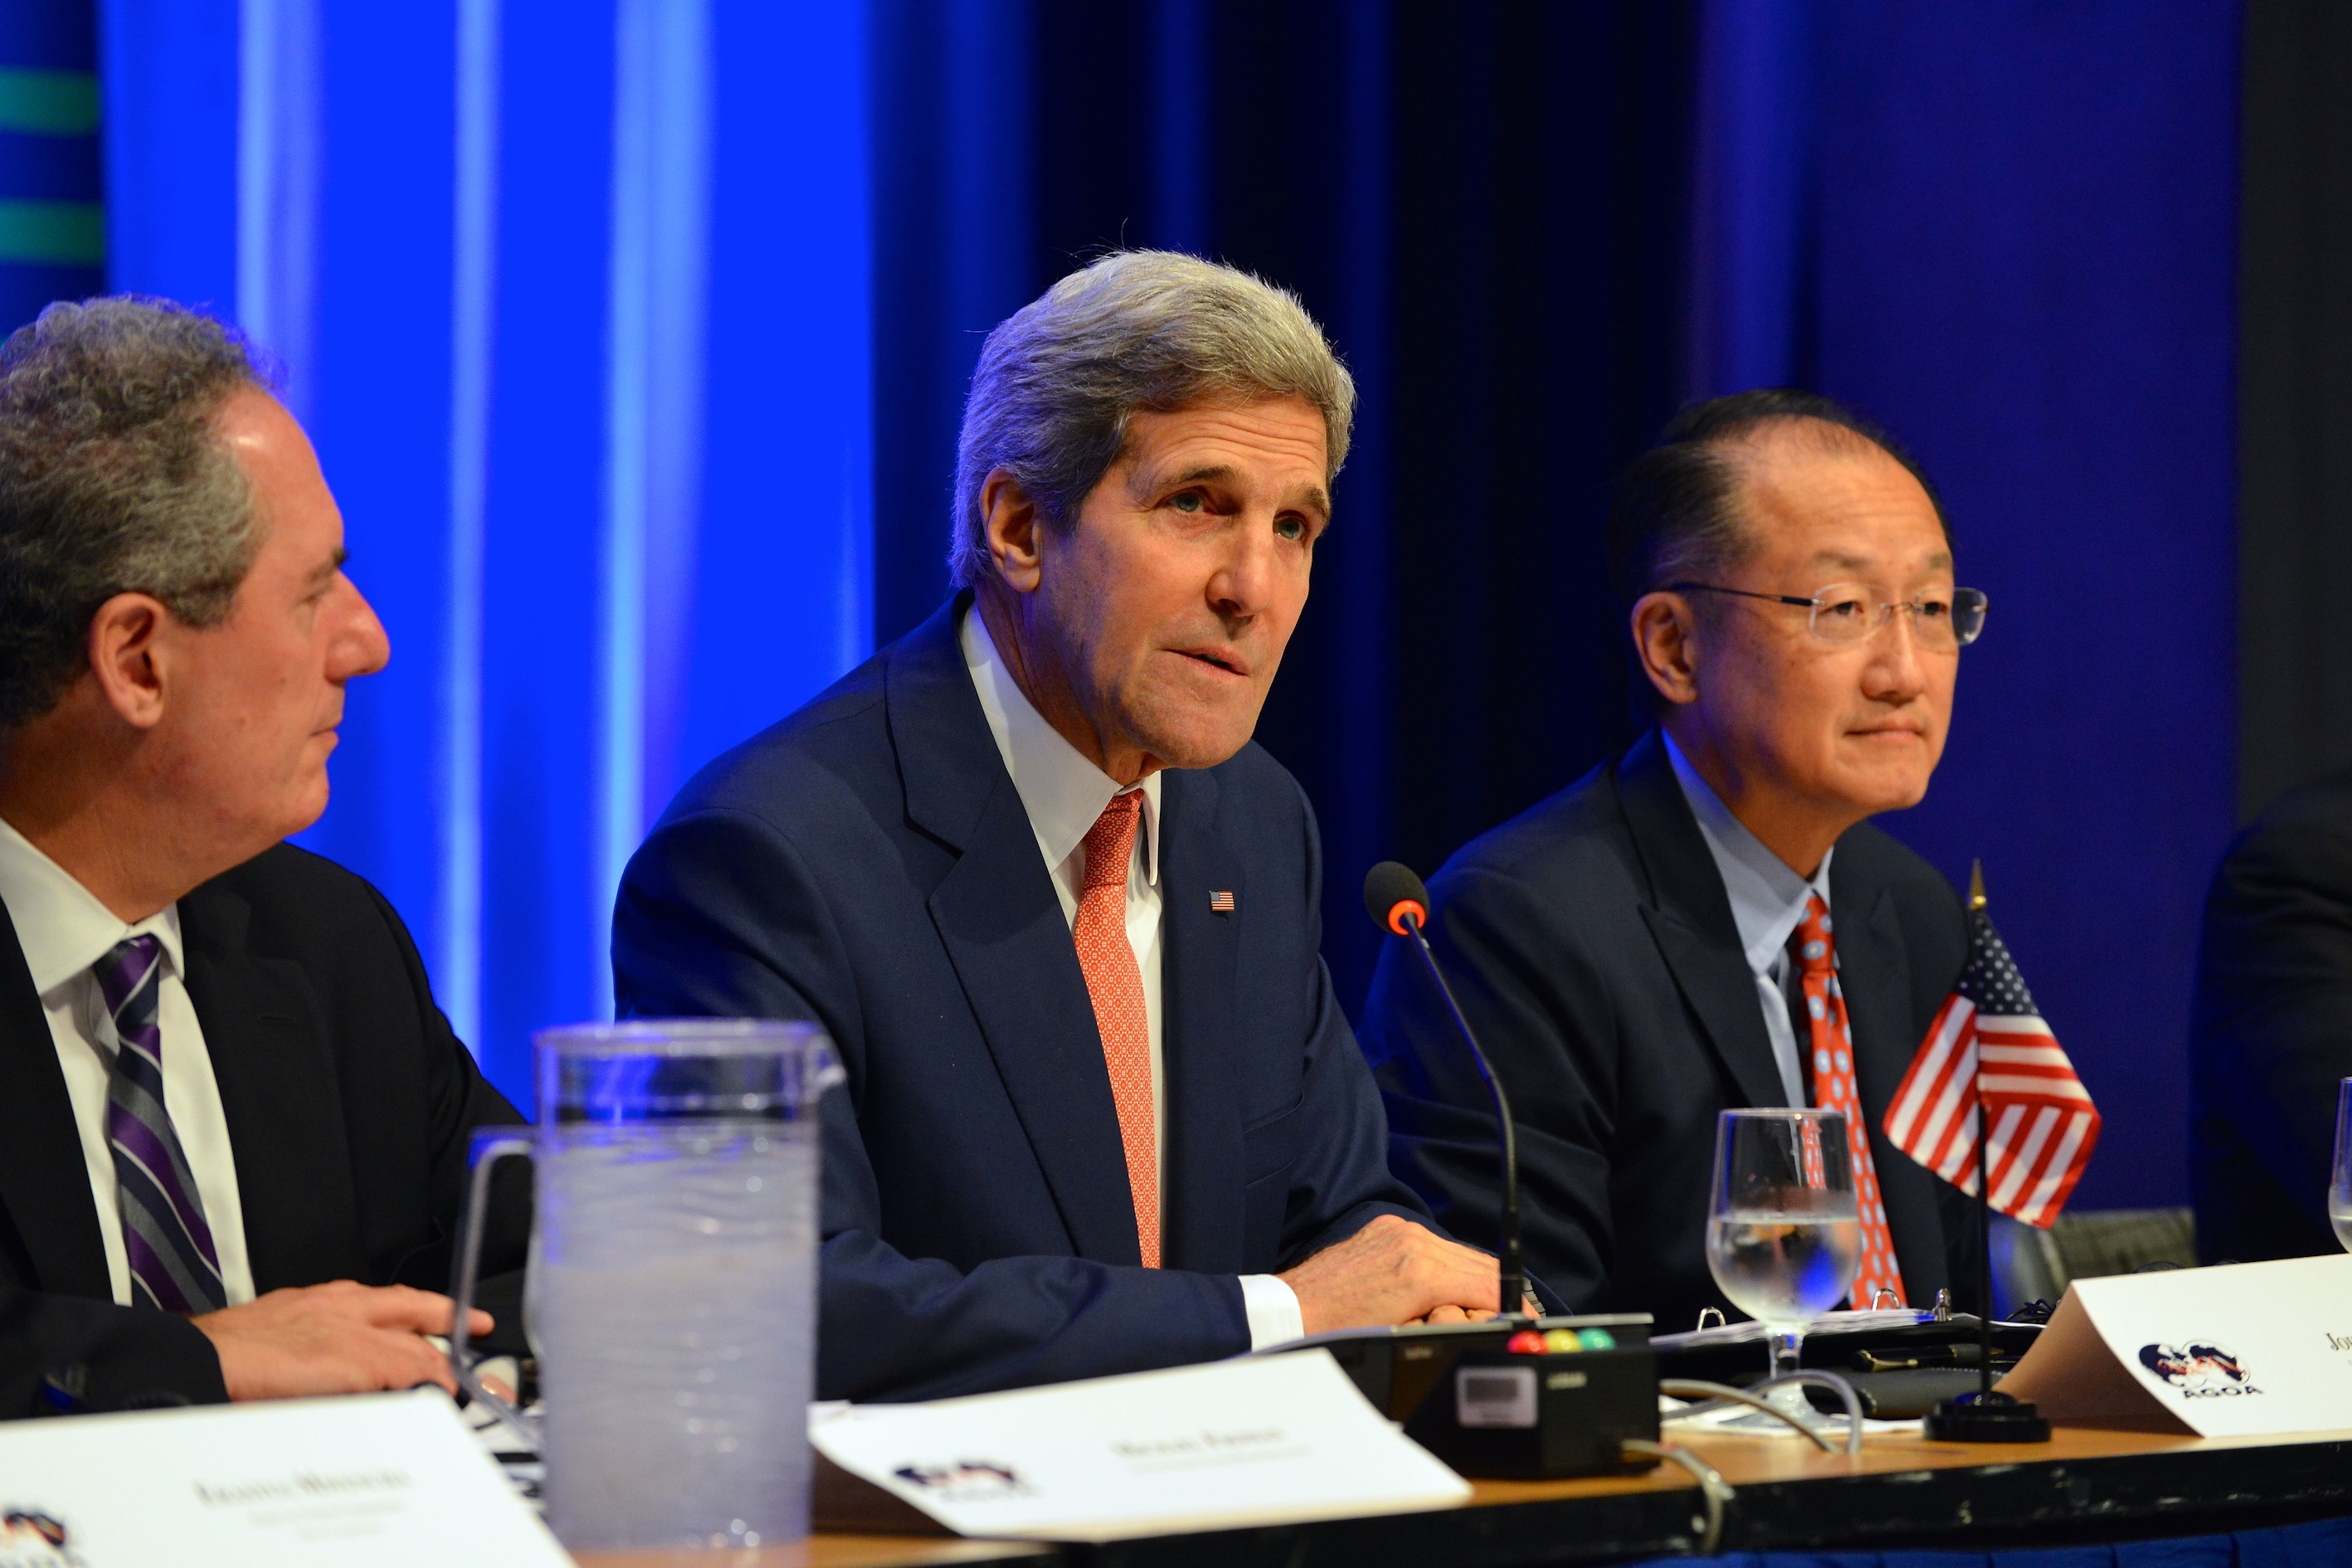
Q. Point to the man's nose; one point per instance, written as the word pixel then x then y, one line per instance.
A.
pixel 1245 580
pixel 1894 672
pixel 361 645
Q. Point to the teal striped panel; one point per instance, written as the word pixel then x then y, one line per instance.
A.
pixel 72 234
pixel 48 103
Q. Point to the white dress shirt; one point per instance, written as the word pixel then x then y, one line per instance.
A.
pixel 1063 795
pixel 64 929
pixel 1768 899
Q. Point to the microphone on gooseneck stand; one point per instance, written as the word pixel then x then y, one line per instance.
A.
pixel 1398 902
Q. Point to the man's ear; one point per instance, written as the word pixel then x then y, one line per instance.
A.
pixel 123 648
pixel 1009 521
pixel 1666 639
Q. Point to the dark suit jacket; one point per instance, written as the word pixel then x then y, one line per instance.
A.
pixel 2270 1029
pixel 868 864
pixel 1593 949
pixel 348 1103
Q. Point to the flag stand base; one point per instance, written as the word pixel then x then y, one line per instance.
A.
pixel 1987 1418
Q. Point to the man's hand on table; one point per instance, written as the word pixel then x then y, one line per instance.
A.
pixel 343 1338
pixel 1393 1271
pixel 1528 1308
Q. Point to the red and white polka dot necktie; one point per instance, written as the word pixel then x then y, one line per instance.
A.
pixel 1115 984
pixel 1833 1089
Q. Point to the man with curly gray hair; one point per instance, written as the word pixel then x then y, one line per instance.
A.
pixel 1057 912
pixel 237 1124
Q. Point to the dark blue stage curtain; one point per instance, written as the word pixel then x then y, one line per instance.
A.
pixel 573 299
pixel 2005 230
pixel 52 227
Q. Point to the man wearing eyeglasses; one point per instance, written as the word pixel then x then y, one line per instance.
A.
pixel 1708 920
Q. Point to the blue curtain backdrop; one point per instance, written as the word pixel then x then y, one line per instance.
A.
pixel 573 299
pixel 634 335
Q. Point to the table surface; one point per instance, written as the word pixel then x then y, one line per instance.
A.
pixel 2083 1480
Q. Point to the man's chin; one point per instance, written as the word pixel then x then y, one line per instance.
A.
pixel 1197 744
pixel 309 803
pixel 1873 792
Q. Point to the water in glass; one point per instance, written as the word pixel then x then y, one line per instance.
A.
pixel 1783 1237
pixel 673 1301
pixel 1782 1268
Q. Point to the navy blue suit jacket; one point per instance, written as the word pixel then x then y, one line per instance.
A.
pixel 1592 948
pixel 868 864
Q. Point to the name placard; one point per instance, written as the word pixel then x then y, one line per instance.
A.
pixel 1255 1440
pixel 384 1479
pixel 2242 1349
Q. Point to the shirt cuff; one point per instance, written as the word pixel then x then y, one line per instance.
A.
pixel 1272 1308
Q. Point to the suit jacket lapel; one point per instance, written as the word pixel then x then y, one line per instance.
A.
pixel 1001 924
pixel 1874 975
pixel 1690 920
pixel 279 1096
pixel 44 1176
pixel 1203 1226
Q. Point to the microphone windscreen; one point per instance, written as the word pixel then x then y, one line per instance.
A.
pixel 1389 886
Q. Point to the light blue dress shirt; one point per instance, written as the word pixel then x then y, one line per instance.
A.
pixel 1768 899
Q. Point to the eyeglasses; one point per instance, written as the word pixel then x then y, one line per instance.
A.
pixel 1856 611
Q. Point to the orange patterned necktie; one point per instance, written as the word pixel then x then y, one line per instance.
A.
pixel 1115 985
pixel 1833 1089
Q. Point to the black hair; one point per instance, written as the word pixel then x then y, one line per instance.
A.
pixel 1673 517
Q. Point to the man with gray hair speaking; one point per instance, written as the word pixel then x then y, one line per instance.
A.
pixel 1057 912
pixel 236 1124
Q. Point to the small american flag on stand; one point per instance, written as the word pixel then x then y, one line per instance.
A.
pixel 2040 1120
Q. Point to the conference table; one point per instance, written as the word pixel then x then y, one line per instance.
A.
pixel 2085 1486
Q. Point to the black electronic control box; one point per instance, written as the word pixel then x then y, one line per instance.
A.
pixel 1493 1413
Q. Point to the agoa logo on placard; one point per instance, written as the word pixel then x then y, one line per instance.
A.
pixel 2199 1369
pixel 31 1539
pixel 966 1480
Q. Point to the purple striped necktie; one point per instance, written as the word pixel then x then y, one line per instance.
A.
pixel 173 1263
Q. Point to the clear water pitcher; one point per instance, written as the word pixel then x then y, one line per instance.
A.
pixel 671 1295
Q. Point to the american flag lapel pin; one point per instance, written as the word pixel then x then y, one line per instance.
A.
pixel 1221 903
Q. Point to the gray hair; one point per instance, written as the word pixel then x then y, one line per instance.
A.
pixel 112 480
pixel 1155 331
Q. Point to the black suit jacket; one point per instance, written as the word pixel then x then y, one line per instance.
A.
pixel 2270 1029
pixel 1593 949
pixel 868 864
pixel 350 1106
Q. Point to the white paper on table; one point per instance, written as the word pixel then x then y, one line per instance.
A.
pixel 1255 1440
pixel 1746 1421
pixel 2240 1349
pixel 371 1479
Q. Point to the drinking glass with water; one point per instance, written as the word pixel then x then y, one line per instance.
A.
pixel 1783 1237
pixel 671 1293
pixel 2339 1185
